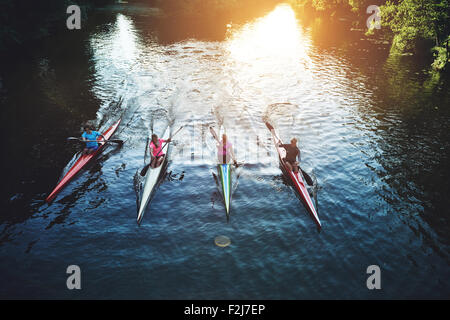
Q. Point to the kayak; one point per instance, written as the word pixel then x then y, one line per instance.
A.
pixel 81 162
pixel 224 173
pixel 152 179
pixel 295 177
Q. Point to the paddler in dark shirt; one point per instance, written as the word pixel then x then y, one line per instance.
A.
pixel 292 152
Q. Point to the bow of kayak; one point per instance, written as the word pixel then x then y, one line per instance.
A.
pixel 81 162
pixel 152 179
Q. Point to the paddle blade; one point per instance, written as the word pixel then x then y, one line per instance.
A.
pixel 269 126
pixel 144 170
pixel 146 150
pixel 115 141
pixel 213 133
pixel 238 164
pixel 308 179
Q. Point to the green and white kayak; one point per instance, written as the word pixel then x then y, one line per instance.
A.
pixel 224 171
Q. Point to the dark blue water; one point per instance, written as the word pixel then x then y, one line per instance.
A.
pixel 373 132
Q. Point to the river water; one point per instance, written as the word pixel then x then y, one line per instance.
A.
pixel 372 129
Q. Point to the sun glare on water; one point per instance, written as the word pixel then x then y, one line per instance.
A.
pixel 275 36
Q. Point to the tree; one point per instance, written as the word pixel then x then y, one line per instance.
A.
pixel 412 21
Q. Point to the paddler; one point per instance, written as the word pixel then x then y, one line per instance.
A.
pixel 156 153
pixel 292 152
pixel 90 136
pixel 225 151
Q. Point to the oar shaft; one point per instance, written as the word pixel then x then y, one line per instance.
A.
pixel 81 140
pixel 211 129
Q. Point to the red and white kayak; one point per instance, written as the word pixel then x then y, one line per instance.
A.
pixel 296 177
pixel 81 162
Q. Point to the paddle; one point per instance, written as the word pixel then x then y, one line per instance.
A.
pixel 144 170
pixel 269 126
pixel 151 124
pixel 308 179
pixel 170 140
pixel 107 141
pixel 146 148
pixel 214 134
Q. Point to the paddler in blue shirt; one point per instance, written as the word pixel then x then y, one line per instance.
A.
pixel 90 137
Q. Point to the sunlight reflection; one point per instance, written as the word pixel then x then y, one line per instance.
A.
pixel 116 50
pixel 270 55
pixel 274 38
pixel 124 43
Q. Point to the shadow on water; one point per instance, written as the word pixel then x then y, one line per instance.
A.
pixel 35 206
pixel 409 149
pixel 94 182
pixel 48 99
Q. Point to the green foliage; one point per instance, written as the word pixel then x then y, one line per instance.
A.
pixel 412 25
pixel 412 20
pixel 441 55
pixel 320 5
pixel 440 58
pixel 360 5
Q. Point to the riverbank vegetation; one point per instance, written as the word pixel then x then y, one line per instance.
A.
pixel 412 26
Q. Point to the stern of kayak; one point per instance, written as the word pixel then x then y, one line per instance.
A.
pixel 225 179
